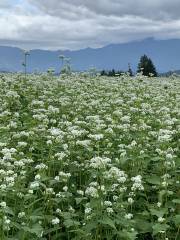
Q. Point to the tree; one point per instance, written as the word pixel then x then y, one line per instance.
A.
pixel 112 73
pixel 147 67
pixel 103 73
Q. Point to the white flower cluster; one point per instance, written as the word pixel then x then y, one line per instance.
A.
pixel 137 185
pixel 99 162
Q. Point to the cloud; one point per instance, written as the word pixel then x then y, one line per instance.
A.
pixel 70 24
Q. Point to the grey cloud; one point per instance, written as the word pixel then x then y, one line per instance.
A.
pixel 154 9
pixel 73 24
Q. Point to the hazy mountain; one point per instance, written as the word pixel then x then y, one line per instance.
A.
pixel 164 53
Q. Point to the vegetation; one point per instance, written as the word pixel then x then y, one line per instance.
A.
pixel 89 158
pixel 111 73
pixel 147 67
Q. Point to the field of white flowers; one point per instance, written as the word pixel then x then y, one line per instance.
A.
pixel 89 158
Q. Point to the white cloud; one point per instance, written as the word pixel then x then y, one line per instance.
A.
pixel 63 24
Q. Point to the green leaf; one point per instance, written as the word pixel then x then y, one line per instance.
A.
pixel 36 229
pixel 159 213
pixel 50 230
pixel 79 200
pixel 70 223
pixel 159 227
pixel 177 220
pixel 108 221
pixel 143 226
pixel 176 201
pixel 153 180
pixel 90 226
pixel 125 235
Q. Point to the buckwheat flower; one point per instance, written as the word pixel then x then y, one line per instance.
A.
pixel 141 152
pixel 99 162
pixel 107 203
pixel 55 131
pixel 3 204
pixel 92 192
pixel 7 221
pixel 122 189
pixel 49 142
pixel 58 211
pixel 161 219
pixel 37 177
pixel 169 156
pixel 55 221
pixel 34 185
pixel 71 209
pixel 49 191
pixel 115 173
pixel 133 143
pixel 65 188
pixel 164 184
pixel 123 154
pixel 159 204
pixel 172 210
pixel 88 210
pixel 96 137
pixel 21 214
pixel 57 178
pixel 126 119
pixel 80 192
pixel 22 144
pixel 130 200
pixel 115 198
pixel 41 166
pixel 109 210
pixel 129 216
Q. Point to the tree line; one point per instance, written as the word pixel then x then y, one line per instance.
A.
pixel 145 66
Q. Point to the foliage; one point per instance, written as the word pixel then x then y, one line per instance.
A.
pixel 146 66
pixel 85 158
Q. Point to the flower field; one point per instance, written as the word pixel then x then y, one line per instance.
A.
pixel 90 158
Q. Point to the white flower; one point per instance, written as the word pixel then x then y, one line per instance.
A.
pixel 129 216
pixel 130 200
pixel 6 220
pixel 49 142
pixel 88 210
pixel 37 177
pixel 55 221
pixel 3 204
pixel 92 192
pixel 58 210
pixel 80 192
pixel 161 219
pixel 21 214
pixel 109 210
pixel 99 162
pixel 34 185
pixel 108 203
pixel 65 188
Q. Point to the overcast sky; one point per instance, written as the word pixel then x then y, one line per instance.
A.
pixel 75 24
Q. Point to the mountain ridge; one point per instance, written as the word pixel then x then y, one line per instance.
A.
pixel 164 53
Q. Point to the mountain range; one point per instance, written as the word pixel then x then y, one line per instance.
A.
pixel 164 53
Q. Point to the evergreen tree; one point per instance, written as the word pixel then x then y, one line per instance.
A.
pixel 146 66
pixel 103 73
